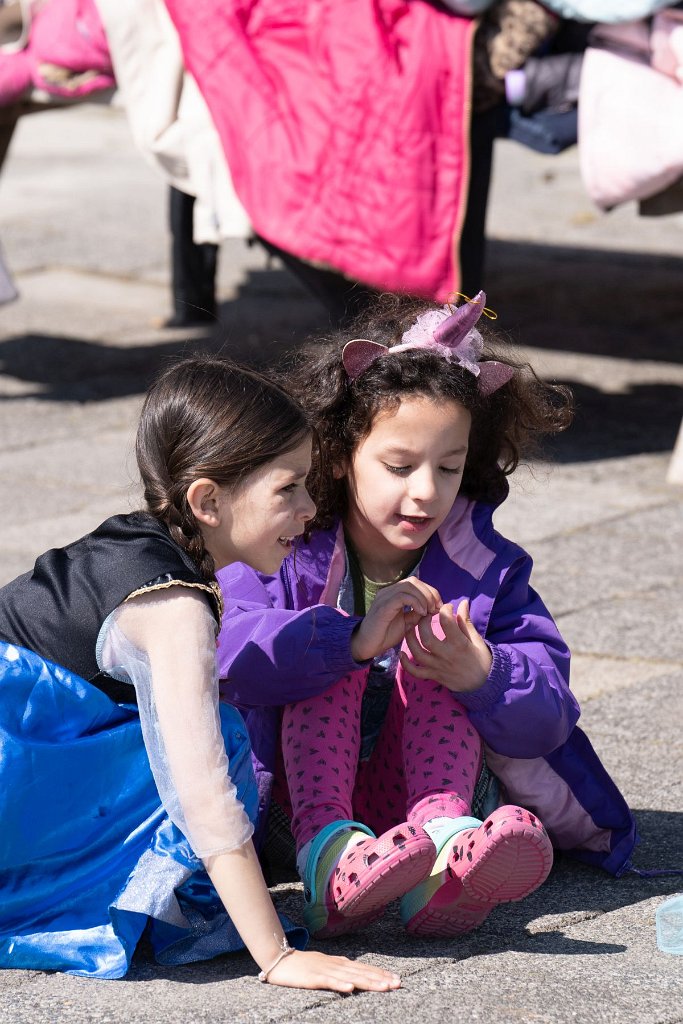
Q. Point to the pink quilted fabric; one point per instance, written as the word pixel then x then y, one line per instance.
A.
pixel 345 126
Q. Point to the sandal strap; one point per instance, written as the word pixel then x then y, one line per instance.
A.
pixel 319 844
pixel 459 825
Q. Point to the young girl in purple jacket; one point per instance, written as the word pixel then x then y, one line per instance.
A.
pixel 430 682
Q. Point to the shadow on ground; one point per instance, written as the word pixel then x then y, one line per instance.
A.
pixel 574 892
pixel 270 316
pixel 581 301
pixel 597 302
pixel 77 370
pixel 646 418
pixel 643 419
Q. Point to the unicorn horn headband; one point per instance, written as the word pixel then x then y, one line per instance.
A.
pixel 451 334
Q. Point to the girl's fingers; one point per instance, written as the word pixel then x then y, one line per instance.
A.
pixel 314 970
pixel 399 597
pixel 465 623
pixel 363 976
pixel 416 598
pixel 411 596
pixel 415 647
pixel 411 619
pixel 430 594
pixel 421 658
pixel 450 624
pixel 413 668
pixel 426 635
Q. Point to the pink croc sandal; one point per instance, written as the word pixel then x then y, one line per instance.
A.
pixel 365 879
pixel 374 872
pixel 505 858
pixel 501 860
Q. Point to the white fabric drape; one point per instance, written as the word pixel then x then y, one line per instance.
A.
pixel 168 117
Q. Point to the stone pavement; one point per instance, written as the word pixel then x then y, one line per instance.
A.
pixel 594 301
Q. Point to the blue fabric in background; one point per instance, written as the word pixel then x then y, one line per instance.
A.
pixel 88 857
pixel 546 131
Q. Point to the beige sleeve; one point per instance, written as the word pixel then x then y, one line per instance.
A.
pixel 164 642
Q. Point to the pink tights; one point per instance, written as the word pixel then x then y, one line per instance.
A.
pixel 425 763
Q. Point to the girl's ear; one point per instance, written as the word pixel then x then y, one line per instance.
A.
pixel 340 469
pixel 202 497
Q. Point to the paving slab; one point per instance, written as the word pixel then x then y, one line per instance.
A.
pixel 595 302
pixel 629 554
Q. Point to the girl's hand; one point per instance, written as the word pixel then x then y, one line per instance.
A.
pixel 460 661
pixel 396 610
pixel 333 973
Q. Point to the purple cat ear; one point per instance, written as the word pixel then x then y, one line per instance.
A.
pixel 360 353
pixel 492 375
pixel 458 325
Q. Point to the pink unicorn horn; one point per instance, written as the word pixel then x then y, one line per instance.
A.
pixel 458 325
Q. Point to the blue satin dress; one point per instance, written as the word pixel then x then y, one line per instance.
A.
pixel 88 857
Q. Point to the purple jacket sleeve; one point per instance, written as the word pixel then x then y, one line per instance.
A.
pixel 525 708
pixel 269 654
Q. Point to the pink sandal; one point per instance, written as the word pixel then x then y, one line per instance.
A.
pixel 376 871
pixel 354 891
pixel 501 860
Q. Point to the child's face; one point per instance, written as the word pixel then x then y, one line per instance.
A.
pixel 257 521
pixel 404 477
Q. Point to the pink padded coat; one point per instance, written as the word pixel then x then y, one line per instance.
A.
pixel 345 126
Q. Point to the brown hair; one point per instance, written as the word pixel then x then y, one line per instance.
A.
pixel 506 425
pixel 206 417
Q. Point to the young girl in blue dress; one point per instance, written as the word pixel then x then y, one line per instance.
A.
pixel 422 661
pixel 126 798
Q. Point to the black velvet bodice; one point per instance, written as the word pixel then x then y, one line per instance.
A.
pixel 58 608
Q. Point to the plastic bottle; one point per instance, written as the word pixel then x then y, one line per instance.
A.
pixel 669 919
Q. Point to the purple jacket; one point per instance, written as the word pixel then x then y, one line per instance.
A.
pixel 283 639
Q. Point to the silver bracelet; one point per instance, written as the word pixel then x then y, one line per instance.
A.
pixel 285 950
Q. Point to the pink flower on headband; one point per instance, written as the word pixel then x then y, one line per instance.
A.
pixel 450 334
pixel 467 352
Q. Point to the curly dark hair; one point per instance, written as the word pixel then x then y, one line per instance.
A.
pixel 506 426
